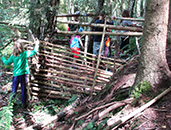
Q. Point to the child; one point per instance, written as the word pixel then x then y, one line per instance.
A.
pixel 75 43
pixel 21 69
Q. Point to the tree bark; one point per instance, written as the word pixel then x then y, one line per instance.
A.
pixel 153 66
pixel 169 27
pixel 142 8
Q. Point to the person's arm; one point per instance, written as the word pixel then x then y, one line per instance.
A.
pixel 7 62
pixel 33 52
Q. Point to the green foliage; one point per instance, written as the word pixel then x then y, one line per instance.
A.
pixel 72 99
pixel 142 88
pixel 90 126
pixel 52 107
pixel 168 40
pixel 132 51
pixel 93 126
pixel 6 115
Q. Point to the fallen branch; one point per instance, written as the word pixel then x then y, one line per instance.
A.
pixel 112 123
pixel 114 106
pixel 98 108
pixel 7 44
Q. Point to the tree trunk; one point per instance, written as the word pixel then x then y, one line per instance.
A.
pixel 51 15
pixel 142 8
pixel 132 8
pixel 169 27
pixel 153 66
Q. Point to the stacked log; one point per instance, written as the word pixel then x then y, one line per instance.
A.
pixel 55 75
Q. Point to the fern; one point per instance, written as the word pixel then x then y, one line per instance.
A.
pixel 6 115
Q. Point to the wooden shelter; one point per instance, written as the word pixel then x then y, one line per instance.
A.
pixel 55 75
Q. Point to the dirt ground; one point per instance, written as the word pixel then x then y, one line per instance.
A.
pixel 156 117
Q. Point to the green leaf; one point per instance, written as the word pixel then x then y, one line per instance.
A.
pixel 90 125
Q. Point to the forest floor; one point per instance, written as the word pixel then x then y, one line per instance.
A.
pixel 156 117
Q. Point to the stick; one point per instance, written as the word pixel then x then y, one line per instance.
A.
pixel 136 34
pixel 99 55
pixel 7 44
pixel 112 105
pixel 115 123
pixel 134 29
pixel 138 48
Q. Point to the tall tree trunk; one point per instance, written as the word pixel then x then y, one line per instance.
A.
pixel 153 66
pixel 51 15
pixel 142 8
pixel 131 5
pixel 132 8
pixel 169 26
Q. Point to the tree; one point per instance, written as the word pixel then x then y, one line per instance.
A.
pixel 153 66
pixel 43 17
pixel 169 26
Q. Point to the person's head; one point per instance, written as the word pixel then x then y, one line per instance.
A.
pixel 125 13
pixel 78 30
pixel 102 15
pixel 76 17
pixel 18 48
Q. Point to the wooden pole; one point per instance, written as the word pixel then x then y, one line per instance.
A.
pixel 99 55
pixel 86 48
pixel 136 34
pixel 91 14
pixel 134 29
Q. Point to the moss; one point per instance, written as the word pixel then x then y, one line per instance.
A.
pixel 141 89
pixel 169 41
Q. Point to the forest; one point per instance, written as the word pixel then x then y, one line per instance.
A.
pixel 118 76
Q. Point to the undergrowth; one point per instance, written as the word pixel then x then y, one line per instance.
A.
pixel 6 114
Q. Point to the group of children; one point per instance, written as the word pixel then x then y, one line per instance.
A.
pixel 106 50
pixel 19 55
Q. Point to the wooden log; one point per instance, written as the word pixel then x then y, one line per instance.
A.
pixel 65 48
pixel 103 61
pixel 73 15
pixel 104 75
pixel 45 91
pixel 133 29
pixel 93 14
pixel 62 79
pixel 112 107
pixel 57 87
pixel 132 34
pixel 63 57
pixel 62 76
pixel 131 19
pixel 114 123
pixel 80 70
pixel 49 96
pixel 78 65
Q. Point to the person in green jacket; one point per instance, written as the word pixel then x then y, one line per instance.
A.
pixel 20 67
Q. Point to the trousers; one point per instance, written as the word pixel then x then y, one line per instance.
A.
pixel 22 79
